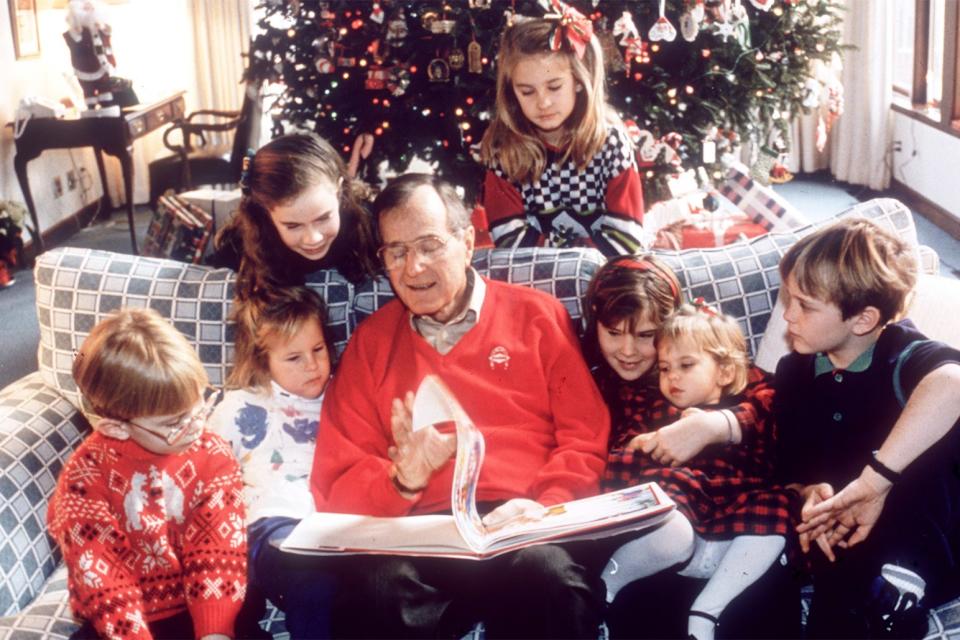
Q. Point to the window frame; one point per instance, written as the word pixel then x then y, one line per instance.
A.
pixel 945 113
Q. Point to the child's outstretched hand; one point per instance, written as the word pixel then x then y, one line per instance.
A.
pixel 416 454
pixel 678 443
pixel 516 510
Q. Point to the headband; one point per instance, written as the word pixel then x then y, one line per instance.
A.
pixel 645 265
pixel 573 26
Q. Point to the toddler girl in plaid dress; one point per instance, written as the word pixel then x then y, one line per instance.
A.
pixel 702 434
pixel 561 167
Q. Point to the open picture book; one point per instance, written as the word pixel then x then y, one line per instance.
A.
pixel 463 534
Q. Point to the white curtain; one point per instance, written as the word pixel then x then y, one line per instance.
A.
pixel 221 35
pixel 858 144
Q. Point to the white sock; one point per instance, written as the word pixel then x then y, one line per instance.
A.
pixel 652 552
pixel 744 560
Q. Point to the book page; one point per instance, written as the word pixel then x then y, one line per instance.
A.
pixel 433 404
pixel 332 533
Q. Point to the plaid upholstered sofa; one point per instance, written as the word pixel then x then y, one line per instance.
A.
pixel 40 424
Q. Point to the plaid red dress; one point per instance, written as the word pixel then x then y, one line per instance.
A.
pixel 724 491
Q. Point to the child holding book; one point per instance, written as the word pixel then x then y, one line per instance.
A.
pixel 281 368
pixel 867 410
pixel 561 168
pixel 300 212
pixel 148 510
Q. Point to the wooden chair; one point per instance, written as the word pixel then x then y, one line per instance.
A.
pixel 194 161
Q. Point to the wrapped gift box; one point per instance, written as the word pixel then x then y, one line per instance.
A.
pixel 218 203
pixel 759 202
pixel 695 237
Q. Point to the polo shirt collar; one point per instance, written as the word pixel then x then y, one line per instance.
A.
pixel 823 365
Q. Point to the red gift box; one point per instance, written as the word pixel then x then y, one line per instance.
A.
pixel 694 237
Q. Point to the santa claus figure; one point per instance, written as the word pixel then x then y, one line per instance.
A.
pixel 88 39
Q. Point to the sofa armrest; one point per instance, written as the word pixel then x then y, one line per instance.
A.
pixel 39 430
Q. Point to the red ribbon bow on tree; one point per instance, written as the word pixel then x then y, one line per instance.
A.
pixel 574 26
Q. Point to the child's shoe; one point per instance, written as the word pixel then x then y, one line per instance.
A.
pixel 896 609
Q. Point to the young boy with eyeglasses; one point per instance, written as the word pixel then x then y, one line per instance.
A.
pixel 867 410
pixel 148 510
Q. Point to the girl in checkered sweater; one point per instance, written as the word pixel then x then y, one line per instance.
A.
pixel 561 168
pixel 148 510
pixel 702 433
pixel 281 368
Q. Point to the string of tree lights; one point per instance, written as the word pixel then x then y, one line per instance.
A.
pixel 692 76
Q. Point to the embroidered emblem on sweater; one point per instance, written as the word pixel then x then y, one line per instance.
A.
pixel 499 357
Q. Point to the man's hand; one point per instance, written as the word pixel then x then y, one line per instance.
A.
pixel 416 454
pixel 848 518
pixel 516 510
pixel 678 443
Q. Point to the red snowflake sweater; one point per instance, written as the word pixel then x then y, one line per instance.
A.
pixel 518 374
pixel 145 536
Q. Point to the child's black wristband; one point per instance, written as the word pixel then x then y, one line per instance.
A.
pixel 882 469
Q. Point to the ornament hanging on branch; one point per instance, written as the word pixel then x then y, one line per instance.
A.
pixel 398 80
pixel 662 29
pixel 438 70
pixel 397 28
pixel 633 46
pixel 456 58
pixel 377 13
pixel 474 57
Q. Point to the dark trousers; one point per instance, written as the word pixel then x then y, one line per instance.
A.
pixel 537 592
pixel 176 627
pixel 919 529
pixel 301 586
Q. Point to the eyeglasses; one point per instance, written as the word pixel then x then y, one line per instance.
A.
pixel 196 417
pixel 427 248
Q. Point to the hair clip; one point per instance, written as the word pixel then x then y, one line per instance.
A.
pixel 573 25
pixel 245 172
pixel 702 306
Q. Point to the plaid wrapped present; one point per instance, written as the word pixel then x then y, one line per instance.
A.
pixel 760 203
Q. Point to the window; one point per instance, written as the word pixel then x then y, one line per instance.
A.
pixel 927 58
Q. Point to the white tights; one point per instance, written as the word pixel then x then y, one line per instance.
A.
pixel 729 566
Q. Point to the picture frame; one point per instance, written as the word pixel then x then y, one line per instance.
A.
pixel 25 27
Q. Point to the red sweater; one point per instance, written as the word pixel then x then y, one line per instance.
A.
pixel 145 536
pixel 518 374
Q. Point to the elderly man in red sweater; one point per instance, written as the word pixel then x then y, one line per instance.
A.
pixel 510 355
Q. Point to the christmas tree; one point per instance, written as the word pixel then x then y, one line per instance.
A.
pixel 692 76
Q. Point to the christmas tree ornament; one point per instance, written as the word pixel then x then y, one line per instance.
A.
pixel 427 18
pixel 572 27
pixel 377 13
pixel 474 57
pixel 376 79
pixel 633 47
pixel 689 27
pixel 397 28
pixel 456 59
pixel 438 70
pixel 479 4
pixel 697 10
pixel 662 29
pixel 717 11
pixel 763 5
pixel 398 81
pixel 325 14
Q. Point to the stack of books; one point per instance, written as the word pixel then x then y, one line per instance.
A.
pixel 179 230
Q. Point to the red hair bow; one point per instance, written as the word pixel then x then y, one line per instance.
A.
pixel 574 26
pixel 703 307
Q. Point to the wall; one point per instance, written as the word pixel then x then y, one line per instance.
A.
pixel 932 172
pixel 152 41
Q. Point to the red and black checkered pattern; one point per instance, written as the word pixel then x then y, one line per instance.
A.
pixel 725 490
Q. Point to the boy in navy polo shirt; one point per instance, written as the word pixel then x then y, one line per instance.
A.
pixel 867 410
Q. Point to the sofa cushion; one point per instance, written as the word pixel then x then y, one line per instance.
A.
pixel 39 432
pixel 742 278
pixel 77 288
pixel 563 273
